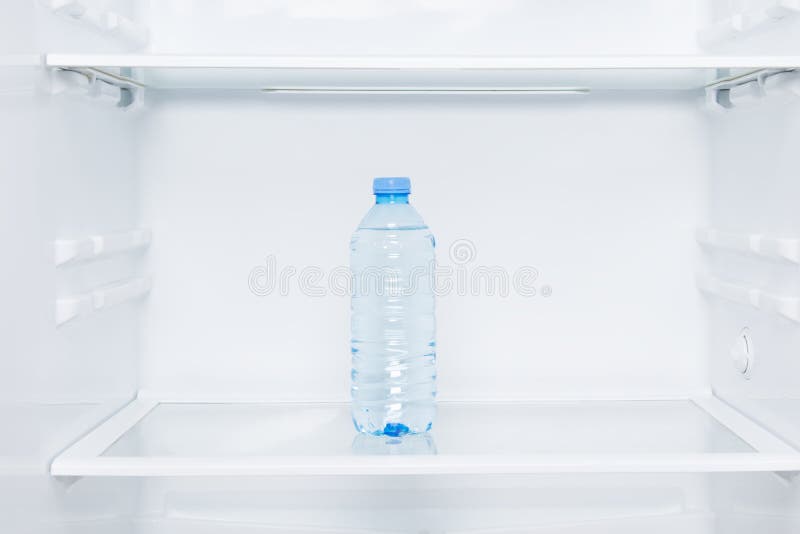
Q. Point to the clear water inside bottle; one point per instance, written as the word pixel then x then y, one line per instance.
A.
pixel 393 325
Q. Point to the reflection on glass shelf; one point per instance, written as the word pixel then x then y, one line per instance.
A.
pixel 384 445
pixel 325 429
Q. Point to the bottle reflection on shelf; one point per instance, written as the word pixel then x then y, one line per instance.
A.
pixel 367 444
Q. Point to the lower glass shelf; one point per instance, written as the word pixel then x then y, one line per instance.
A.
pixel 152 438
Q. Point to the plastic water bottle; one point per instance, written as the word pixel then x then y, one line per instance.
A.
pixel 393 326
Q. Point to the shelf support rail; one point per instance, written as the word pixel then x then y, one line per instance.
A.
pixel 758 437
pixel 785 306
pixel 747 21
pixel 95 82
pixel 102 20
pixel 74 306
pixel 97 441
pixel 98 246
pixel 767 247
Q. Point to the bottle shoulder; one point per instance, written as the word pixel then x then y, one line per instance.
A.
pixel 392 217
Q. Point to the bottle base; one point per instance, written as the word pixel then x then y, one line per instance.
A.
pixel 377 419
pixel 393 430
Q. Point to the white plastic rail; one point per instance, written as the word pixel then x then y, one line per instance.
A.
pixel 747 21
pixel 768 247
pixel 785 306
pixel 106 21
pixel 74 306
pixel 97 246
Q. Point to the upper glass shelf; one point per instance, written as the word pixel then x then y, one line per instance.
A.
pixel 495 75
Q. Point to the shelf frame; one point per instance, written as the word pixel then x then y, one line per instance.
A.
pixel 85 458
pixel 498 75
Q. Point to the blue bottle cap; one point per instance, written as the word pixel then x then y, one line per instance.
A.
pixel 394 185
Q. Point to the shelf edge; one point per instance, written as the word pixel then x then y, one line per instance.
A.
pixel 423 465
pixel 419 63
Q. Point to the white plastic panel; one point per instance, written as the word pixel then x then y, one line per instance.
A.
pixel 753 192
pixel 690 523
pixel 65 170
pixel 753 186
pixel 567 185
pixel 551 504
pixel 426 27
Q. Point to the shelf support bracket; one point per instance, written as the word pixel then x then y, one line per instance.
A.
pixel 748 431
pixel 96 82
pixel 732 91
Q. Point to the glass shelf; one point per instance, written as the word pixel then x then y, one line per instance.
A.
pixel 495 75
pixel 151 438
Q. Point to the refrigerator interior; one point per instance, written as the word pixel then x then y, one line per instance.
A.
pixel 616 350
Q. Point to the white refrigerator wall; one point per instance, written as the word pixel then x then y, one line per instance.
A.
pixel 420 27
pixel 548 504
pixel 275 185
pixel 473 27
pixel 67 171
pixel 753 192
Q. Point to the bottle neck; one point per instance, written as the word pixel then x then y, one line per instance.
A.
pixel 391 198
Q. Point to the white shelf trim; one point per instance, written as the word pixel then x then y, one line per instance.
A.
pixel 754 435
pixel 102 437
pixel 785 306
pixel 424 465
pixel 74 306
pixel 85 457
pixel 96 246
pixel 768 247
pixel 420 63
